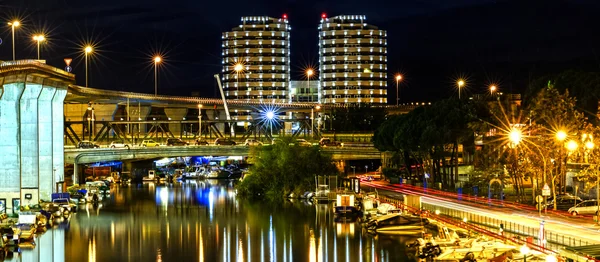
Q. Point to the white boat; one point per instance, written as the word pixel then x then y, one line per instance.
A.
pixel 344 205
pixel 397 224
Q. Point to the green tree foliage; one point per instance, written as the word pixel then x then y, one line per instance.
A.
pixel 282 168
pixel 431 136
pixel 584 86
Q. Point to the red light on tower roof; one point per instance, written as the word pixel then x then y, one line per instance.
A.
pixel 284 16
pixel 323 15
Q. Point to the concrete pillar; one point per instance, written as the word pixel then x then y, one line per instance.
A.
pixel 102 112
pixel 58 127
pixel 10 181
pixel 29 143
pixel 176 113
pixel 45 140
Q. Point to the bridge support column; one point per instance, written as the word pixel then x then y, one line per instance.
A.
pixel 46 140
pixel 10 173
pixel 29 138
pixel 175 114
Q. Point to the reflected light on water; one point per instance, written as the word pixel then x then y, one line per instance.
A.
pixel 240 255
pixel 200 245
pixel 92 250
pixel 312 251
pixel 271 239
pixel 112 233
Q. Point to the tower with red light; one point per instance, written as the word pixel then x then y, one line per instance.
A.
pixel 352 61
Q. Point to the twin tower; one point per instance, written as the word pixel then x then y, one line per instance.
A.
pixel 352 62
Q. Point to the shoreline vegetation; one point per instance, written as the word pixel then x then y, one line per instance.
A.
pixel 284 168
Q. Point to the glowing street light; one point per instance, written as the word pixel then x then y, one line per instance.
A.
pixel 87 51
pixel 561 135
pixel 572 145
pixel 515 136
pixel 309 74
pixel 460 84
pixel 38 38
pixel 238 67
pixel 493 89
pixel 157 60
pixel 312 120
pixel 525 251
pixel 398 79
pixel 12 25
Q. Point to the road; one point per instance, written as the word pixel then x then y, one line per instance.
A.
pixel 577 228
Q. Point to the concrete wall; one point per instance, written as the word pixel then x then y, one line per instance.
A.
pixel 31 136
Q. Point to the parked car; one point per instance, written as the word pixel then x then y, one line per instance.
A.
pixel 585 207
pixel 176 142
pixel 147 143
pixel 87 144
pixel 252 142
pixel 201 142
pixel 224 141
pixel 329 142
pixel 118 144
pixel 303 142
pixel 564 202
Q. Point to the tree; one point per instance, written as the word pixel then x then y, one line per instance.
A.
pixel 281 169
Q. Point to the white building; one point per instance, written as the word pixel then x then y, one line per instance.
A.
pixel 256 60
pixel 352 61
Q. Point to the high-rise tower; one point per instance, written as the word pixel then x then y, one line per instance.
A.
pixel 352 61
pixel 256 60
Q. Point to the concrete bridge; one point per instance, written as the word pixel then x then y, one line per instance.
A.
pixel 86 156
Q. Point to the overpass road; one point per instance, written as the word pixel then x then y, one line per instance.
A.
pixel 84 156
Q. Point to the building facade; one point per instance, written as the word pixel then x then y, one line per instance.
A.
pixel 256 60
pixel 304 90
pixel 352 61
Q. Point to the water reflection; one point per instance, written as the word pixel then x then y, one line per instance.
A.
pixel 204 221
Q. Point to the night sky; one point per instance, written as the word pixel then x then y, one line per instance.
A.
pixel 432 42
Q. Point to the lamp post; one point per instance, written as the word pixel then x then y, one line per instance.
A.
pixel 238 68
pixel 460 84
pixel 157 60
pixel 561 136
pixel 12 25
pixel 312 120
pixel 398 79
pixel 38 39
pixel 516 136
pixel 87 51
pixel 525 251
pixel 270 116
pixel 493 89
pixel 200 121
pixel 309 73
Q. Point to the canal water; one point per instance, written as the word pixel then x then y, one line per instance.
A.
pixel 204 221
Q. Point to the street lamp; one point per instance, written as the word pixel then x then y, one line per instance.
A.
pixel 572 145
pixel 87 51
pixel 493 89
pixel 525 251
pixel 38 39
pixel 398 79
pixel 309 73
pixel 312 120
pixel 515 136
pixel 460 84
pixel 157 60
pixel 12 25
pixel 270 116
pixel 200 121
pixel 238 68
pixel 561 135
